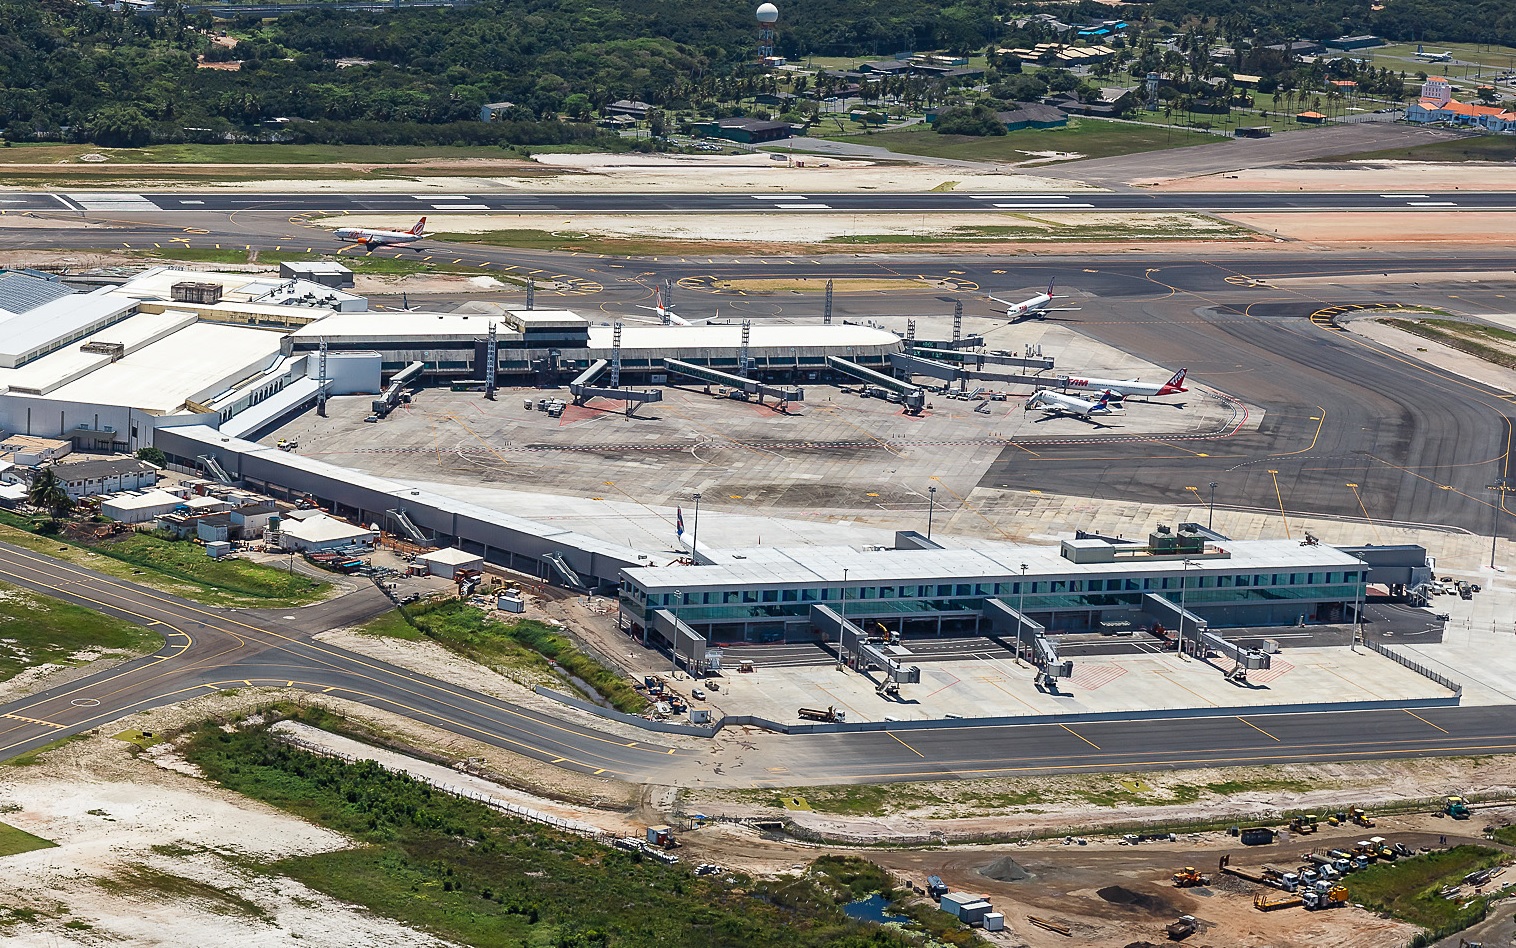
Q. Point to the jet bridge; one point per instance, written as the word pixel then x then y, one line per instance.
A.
pixel 750 386
pixel 978 360
pixel 685 640
pixel 1007 620
pixel 583 391
pixel 1244 659
pixel 913 397
pixel 854 640
pixel 1193 629
pixel 917 364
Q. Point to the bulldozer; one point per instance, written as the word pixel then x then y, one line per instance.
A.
pixel 1190 876
pixel 1457 808
pixel 1304 824
pixel 1358 815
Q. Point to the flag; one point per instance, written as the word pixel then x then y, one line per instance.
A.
pixel 679 521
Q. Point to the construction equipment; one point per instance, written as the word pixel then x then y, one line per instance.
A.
pixel 1457 808
pixel 831 715
pixel 1263 903
pixel 1382 847
pixel 935 887
pixel 1357 815
pixel 1304 824
pixel 1190 876
pixel 1324 896
pixel 1184 927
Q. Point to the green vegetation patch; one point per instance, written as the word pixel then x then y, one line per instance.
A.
pixel 221 577
pixel 1409 888
pixel 142 563
pixel 35 629
pixel 1090 138
pixel 1472 148
pixel 13 841
pixel 1490 343
pixel 144 883
pixel 470 874
pixel 525 644
pixel 141 739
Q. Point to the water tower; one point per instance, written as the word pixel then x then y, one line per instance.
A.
pixel 768 15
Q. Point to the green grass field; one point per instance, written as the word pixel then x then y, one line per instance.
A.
pixel 246 154
pixel 181 568
pixel 1500 148
pixel 1090 138
pixel 35 629
pixel 14 841
pixel 1408 888
pixel 477 877
pixel 1398 56
pixel 525 645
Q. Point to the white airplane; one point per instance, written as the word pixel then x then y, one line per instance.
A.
pixel 1055 403
pixel 664 313
pixel 1424 56
pixel 1125 387
pixel 379 238
pixel 1036 306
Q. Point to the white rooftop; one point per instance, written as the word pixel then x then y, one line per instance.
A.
pixel 324 529
pixel 144 500
pixel 765 566
pixel 400 327
pixel 707 336
pixel 23 336
pixel 452 556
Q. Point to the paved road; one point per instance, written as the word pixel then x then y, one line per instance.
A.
pixel 517 202
pixel 208 649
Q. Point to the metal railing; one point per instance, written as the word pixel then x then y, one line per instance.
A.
pixel 1420 669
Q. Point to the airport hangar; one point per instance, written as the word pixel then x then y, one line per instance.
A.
pixel 197 364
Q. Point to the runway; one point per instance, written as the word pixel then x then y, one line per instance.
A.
pixel 518 202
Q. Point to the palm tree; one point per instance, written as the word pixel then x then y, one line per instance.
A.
pixel 49 493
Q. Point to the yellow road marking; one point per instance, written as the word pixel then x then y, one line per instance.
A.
pixel 1080 736
pixel 906 746
pixel 1256 727
pixel 1423 720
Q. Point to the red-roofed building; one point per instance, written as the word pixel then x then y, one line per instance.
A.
pixel 1438 105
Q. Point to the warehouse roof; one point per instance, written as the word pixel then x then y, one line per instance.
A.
pixel 451 556
pixel 22 292
pixel 323 529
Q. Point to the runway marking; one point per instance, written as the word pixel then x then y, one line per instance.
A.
pixel 1423 720
pixel 906 746
pixel 19 717
pixel 1080 736
pixel 1256 728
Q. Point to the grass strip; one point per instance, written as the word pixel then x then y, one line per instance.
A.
pixel 527 644
pixel 1408 888
pixel 1490 343
pixel 37 630
pixel 14 841
pixel 467 873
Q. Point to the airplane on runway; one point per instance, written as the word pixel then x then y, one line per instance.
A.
pixel 1443 57
pixel 664 313
pixel 1125 387
pixel 379 238
pixel 1054 403
pixel 1036 306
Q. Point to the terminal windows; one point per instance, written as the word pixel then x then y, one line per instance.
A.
pixel 791 595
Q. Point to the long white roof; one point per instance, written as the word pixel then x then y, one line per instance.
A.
pixel 771 337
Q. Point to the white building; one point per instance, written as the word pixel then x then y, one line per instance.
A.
pixel 141 507
pixel 447 562
pixel 321 533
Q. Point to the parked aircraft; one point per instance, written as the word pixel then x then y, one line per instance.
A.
pixel 1125 387
pixel 1055 403
pixel 379 238
pixel 664 313
pixel 1426 57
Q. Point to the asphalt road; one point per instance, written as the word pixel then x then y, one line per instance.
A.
pixel 201 202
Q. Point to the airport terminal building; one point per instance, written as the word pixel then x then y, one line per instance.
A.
pixel 1083 585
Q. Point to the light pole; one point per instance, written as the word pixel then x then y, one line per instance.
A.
pixel 1210 521
pixel 1020 613
pixel 1184 583
pixel 931 508
pixel 695 537
pixel 1502 484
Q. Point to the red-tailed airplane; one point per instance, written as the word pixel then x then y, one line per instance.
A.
pixel 1124 387
pixel 1039 305
pixel 379 238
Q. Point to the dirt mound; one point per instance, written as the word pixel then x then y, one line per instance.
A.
pixel 1119 895
pixel 1004 869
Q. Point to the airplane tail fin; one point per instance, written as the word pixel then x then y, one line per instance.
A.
pixel 1174 385
pixel 419 228
pixel 1050 286
pixel 1418 49
pixel 1105 400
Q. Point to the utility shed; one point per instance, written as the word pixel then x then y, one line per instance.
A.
pixel 965 907
pixel 446 563
pixel 139 508
pixel 315 534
